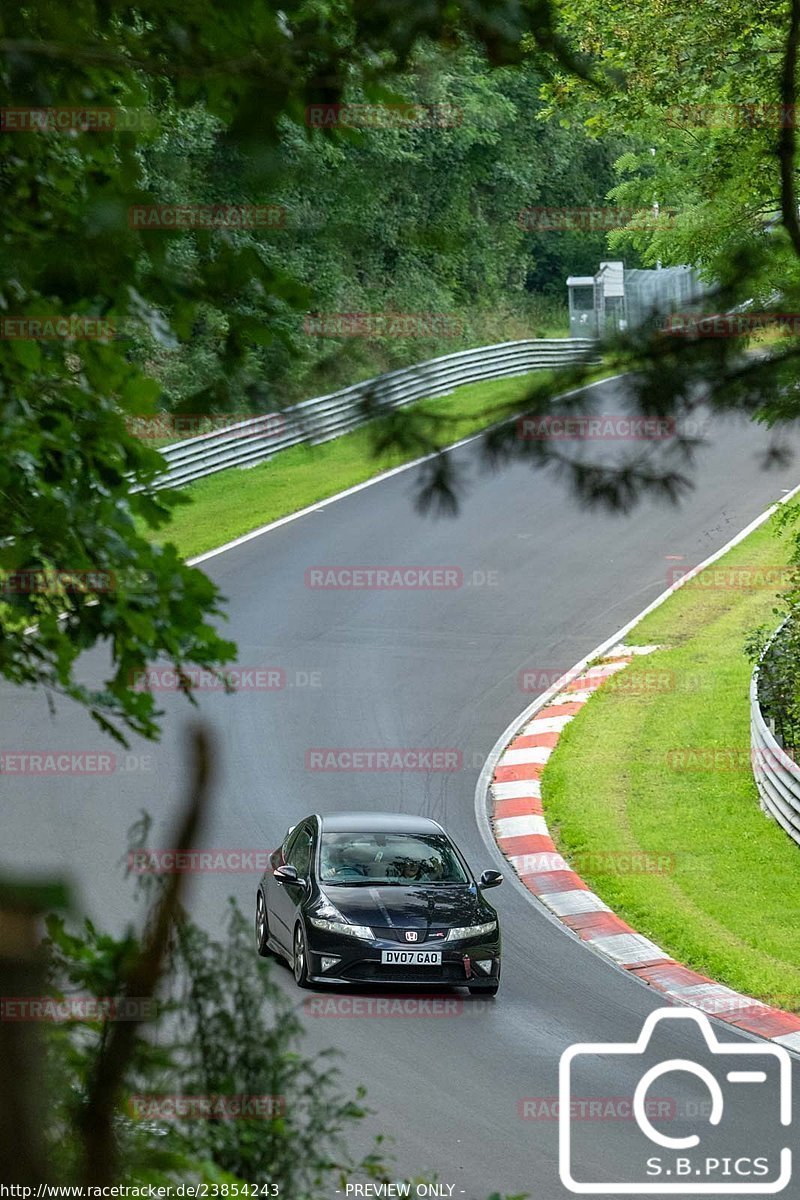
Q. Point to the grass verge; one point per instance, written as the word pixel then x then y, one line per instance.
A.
pixel 728 907
pixel 233 502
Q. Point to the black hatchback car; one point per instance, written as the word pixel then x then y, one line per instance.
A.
pixel 378 898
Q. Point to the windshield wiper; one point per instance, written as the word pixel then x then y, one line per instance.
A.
pixel 418 883
pixel 393 882
pixel 347 883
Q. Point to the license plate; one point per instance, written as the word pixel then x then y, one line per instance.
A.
pixel 411 958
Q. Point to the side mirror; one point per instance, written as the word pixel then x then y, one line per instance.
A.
pixel 287 874
pixel 490 879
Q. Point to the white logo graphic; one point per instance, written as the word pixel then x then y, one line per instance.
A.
pixel 411 935
pixel 741 1182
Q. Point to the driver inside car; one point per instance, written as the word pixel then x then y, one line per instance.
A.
pixel 337 865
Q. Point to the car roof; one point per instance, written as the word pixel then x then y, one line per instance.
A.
pixel 378 822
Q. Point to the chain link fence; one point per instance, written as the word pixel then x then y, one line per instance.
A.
pixel 616 298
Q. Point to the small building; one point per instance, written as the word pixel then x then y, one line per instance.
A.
pixel 582 316
pixel 615 298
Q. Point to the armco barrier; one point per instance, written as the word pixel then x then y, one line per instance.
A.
pixel 776 773
pixel 313 421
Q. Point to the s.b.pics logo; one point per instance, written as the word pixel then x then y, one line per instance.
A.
pixel 729 1106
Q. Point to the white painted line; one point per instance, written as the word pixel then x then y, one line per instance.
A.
pixel 628 948
pixel 704 991
pixel 508 827
pixel 569 904
pixel 517 789
pixel 359 487
pixel 716 1000
pixel 529 756
pixel 575 697
pixel 547 725
pixel 686 989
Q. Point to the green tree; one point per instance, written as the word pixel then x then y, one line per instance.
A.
pixel 376 220
pixel 223 1033
pixel 707 102
pixel 76 486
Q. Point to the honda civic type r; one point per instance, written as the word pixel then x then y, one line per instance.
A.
pixel 378 898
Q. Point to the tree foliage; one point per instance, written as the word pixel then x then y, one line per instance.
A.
pixel 707 102
pixel 209 105
pixel 224 1029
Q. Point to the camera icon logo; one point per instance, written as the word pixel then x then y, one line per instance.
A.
pixel 716 1163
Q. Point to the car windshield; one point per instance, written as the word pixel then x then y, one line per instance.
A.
pixel 388 859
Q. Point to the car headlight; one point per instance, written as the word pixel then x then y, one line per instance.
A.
pixel 359 931
pixel 468 931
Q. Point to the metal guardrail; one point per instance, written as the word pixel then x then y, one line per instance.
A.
pixel 776 773
pixel 314 421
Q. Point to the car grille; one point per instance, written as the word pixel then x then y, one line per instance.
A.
pixel 371 972
pixel 393 934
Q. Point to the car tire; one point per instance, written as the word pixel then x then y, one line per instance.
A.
pixel 483 989
pixel 300 957
pixel 262 928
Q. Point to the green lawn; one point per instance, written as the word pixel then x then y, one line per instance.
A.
pixel 233 502
pixel 731 906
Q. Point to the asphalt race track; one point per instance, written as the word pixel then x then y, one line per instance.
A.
pixel 544 582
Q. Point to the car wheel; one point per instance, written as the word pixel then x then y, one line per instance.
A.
pixel 262 928
pixel 483 989
pixel 300 965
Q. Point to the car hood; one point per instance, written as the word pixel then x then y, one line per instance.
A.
pixel 416 906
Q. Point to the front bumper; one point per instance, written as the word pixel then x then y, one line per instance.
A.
pixel 360 961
